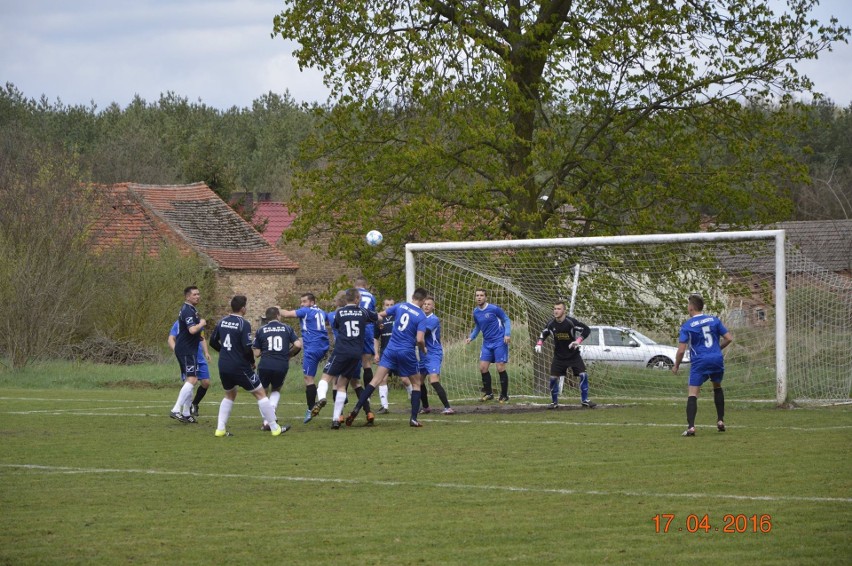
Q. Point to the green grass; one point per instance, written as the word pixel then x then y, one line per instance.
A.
pixel 100 474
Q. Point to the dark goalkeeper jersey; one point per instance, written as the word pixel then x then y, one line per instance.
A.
pixel 564 333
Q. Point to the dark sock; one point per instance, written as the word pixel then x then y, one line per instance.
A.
pixel 486 383
pixel 424 396
pixel 691 410
pixel 199 395
pixel 554 389
pixel 358 391
pixel 442 395
pixel 311 395
pixel 415 404
pixel 363 398
pixel 719 399
pixel 368 376
pixel 504 384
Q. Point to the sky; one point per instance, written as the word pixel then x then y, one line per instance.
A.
pixel 217 51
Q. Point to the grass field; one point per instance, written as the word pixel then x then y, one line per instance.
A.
pixel 93 471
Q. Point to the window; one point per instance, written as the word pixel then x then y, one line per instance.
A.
pixel 593 339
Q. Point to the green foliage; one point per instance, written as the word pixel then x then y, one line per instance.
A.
pixel 458 120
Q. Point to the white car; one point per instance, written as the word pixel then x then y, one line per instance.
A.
pixel 621 345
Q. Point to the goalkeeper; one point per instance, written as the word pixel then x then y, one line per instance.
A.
pixel 566 353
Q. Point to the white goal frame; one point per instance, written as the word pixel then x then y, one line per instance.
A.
pixel 778 236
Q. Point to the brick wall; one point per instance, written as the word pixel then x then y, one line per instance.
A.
pixel 262 289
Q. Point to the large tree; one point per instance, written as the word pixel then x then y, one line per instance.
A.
pixel 466 119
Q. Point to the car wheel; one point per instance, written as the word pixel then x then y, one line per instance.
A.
pixel 660 362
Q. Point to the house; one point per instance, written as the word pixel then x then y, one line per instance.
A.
pixel 194 218
pixel 318 273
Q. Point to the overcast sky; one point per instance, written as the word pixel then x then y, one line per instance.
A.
pixel 218 51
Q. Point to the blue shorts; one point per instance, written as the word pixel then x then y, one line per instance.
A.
pixel 311 361
pixel 188 365
pixel 495 353
pixel 430 365
pixel 697 378
pixel 369 335
pixel 248 380
pixel 403 362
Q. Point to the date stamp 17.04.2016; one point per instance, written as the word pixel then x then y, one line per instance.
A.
pixel 731 523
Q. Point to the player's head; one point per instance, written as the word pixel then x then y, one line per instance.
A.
pixel 387 303
pixel 696 303
pixel 192 295
pixel 307 300
pixel 559 309
pixel 340 299
pixel 429 304
pixel 419 294
pixel 272 313
pixel 361 282
pixel 481 297
pixel 352 296
pixel 238 304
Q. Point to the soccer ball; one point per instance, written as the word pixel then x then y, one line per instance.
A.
pixel 374 237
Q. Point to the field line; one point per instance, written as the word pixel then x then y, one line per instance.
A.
pixel 439 485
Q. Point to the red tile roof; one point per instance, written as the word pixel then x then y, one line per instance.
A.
pixel 278 218
pixel 192 216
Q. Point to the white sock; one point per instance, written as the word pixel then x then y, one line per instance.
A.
pixel 267 411
pixel 409 389
pixel 322 389
pixel 339 401
pixel 274 397
pixel 224 413
pixel 183 397
pixel 383 395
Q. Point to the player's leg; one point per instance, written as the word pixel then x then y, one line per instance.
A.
pixel 204 381
pixel 501 358
pixel 416 382
pixel 719 401
pixel 189 368
pixel 339 401
pixel 380 374
pixel 580 371
pixel 252 383
pixel 383 396
pixel 695 382
pixel 435 382
pixel 486 356
pixel 227 404
pixel 322 393
pixel 424 392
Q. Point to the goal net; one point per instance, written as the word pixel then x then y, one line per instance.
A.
pixel 791 319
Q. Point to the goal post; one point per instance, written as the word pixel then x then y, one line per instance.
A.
pixel 640 284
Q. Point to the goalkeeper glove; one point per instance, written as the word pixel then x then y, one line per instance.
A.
pixel 538 347
pixel 576 343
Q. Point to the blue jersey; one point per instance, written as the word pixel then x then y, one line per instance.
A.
pixel 701 334
pixel 408 321
pixel 232 339
pixel 187 343
pixel 314 330
pixel 349 324
pixel 274 339
pixel 433 337
pixel 202 361
pixel 494 324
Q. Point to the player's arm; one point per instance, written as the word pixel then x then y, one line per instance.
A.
pixel 726 340
pixel 295 348
pixel 214 340
pixel 196 328
pixel 474 333
pixel 542 337
pixel 507 327
pixel 681 349
pixel 584 333
pixel 172 342
pixel 204 347
pixel 421 341
pixel 289 314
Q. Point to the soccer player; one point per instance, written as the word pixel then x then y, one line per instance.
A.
pixel 496 330
pixel 203 370
pixel 706 337
pixel 186 350
pixel 349 323
pixel 368 303
pixel 409 329
pixel 381 342
pixel 275 343
pixel 430 364
pixel 566 353
pixel 232 339
pixel 313 322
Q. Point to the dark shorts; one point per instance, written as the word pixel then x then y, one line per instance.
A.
pixel 560 367
pixel 340 366
pixel 248 380
pixel 188 364
pixel 272 377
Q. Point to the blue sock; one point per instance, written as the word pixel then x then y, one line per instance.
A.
pixel 584 386
pixel 415 404
pixel 554 389
pixel 365 396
